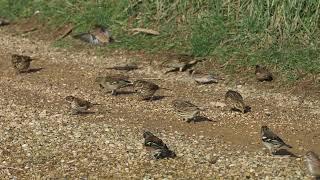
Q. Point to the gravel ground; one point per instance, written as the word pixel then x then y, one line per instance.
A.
pixel 40 139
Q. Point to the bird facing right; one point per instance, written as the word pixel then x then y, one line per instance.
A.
pixel 234 101
pixel 272 141
pixel 263 74
pixel 313 163
pixel 186 109
pixel 21 63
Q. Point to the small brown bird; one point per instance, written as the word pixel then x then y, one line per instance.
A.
pixel 113 83
pixel 78 105
pixel 202 78
pixel 159 149
pixel 179 62
pixel 263 74
pixel 4 22
pixel 102 34
pixel 126 67
pixel 21 63
pixel 87 37
pixel 234 101
pixel 145 89
pixel 272 141
pixel 153 141
pixel 313 164
pixel 186 109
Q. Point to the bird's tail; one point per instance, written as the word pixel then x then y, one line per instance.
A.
pixel 288 146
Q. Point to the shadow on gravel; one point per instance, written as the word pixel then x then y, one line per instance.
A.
pixel 124 93
pixel 85 113
pixel 156 98
pixel 285 153
pixel 34 70
pixel 201 119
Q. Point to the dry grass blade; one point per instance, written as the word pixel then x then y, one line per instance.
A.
pixel 146 31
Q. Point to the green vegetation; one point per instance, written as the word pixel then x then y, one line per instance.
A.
pixel 280 33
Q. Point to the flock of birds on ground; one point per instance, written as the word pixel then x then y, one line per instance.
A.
pixel 147 89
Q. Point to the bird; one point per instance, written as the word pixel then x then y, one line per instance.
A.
pixel 272 141
pixel 179 62
pixel 159 150
pixel 145 89
pixel 163 153
pixel 102 34
pixel 78 105
pixel 4 22
pixel 313 163
pixel 99 35
pixel 186 109
pixel 21 63
pixel 234 100
pixel 202 78
pixel 150 140
pixel 263 74
pixel 87 37
pixel 113 83
pixel 126 67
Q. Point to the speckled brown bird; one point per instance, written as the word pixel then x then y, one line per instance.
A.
pixel 102 34
pixel 263 74
pixel 153 141
pixel 235 102
pixel 78 105
pixel 145 89
pixel 21 63
pixel 272 141
pixel 159 150
pixel 113 83
pixel 179 62
pixel 87 37
pixel 313 164
pixel 186 109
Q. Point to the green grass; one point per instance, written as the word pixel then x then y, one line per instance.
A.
pixel 284 34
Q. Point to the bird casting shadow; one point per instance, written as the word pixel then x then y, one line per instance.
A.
pixel 200 119
pixel 284 153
